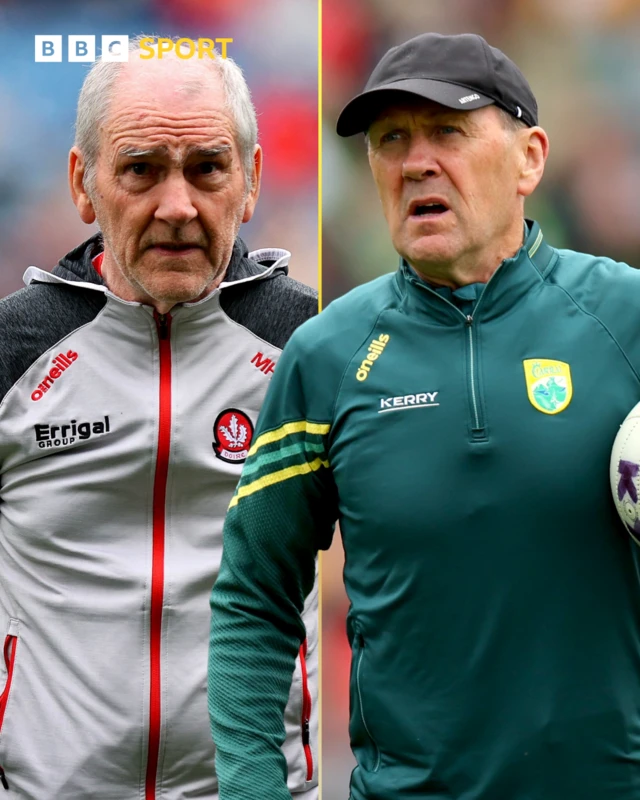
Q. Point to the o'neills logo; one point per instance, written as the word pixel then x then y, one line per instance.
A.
pixel 69 433
pixel 60 363
pixel 375 351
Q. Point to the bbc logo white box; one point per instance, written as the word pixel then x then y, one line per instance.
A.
pixel 81 48
pixel 48 48
pixel 115 48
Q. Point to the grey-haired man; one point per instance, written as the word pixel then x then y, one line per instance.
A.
pixel 130 382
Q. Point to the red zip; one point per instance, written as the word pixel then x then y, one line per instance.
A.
pixel 163 322
pixel 306 711
pixel 10 647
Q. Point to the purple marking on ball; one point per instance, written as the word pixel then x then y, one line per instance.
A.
pixel 627 471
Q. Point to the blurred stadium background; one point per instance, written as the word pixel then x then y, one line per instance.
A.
pixel 582 58
pixel 275 43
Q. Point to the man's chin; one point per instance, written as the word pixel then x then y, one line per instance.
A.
pixel 174 294
pixel 429 250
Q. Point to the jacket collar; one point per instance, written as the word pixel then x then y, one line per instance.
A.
pixel 513 279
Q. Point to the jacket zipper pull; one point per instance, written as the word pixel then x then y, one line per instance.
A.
pixel 163 328
pixel 3 779
pixel 163 322
pixel 469 320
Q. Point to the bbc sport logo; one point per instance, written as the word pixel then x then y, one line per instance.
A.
pixel 116 48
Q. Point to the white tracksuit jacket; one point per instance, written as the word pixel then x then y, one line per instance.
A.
pixel 122 437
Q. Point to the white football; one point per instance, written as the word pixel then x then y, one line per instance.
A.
pixel 624 472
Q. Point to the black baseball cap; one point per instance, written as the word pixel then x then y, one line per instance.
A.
pixel 462 72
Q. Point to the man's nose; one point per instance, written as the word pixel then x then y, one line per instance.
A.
pixel 175 203
pixel 420 160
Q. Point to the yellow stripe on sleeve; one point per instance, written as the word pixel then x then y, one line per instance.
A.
pixel 286 430
pixel 277 477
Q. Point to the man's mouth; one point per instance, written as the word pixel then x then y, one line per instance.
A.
pixel 172 247
pixel 430 208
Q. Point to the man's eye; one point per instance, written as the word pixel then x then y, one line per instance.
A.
pixel 391 136
pixel 447 129
pixel 140 168
pixel 208 167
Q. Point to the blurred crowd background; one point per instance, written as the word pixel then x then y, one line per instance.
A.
pixel 582 59
pixel 274 41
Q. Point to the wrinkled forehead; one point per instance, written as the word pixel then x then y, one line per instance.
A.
pixel 174 107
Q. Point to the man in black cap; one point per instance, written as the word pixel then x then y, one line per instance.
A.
pixel 495 614
pixel 448 119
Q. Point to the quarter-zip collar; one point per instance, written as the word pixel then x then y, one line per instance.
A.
pixel 510 282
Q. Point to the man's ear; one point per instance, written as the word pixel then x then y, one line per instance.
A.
pixel 76 184
pixel 252 196
pixel 535 149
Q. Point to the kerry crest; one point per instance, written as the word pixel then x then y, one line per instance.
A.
pixel 549 386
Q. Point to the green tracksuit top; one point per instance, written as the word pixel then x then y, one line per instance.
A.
pixel 495 595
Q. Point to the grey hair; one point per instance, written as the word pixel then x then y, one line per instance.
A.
pixel 98 89
pixel 510 122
